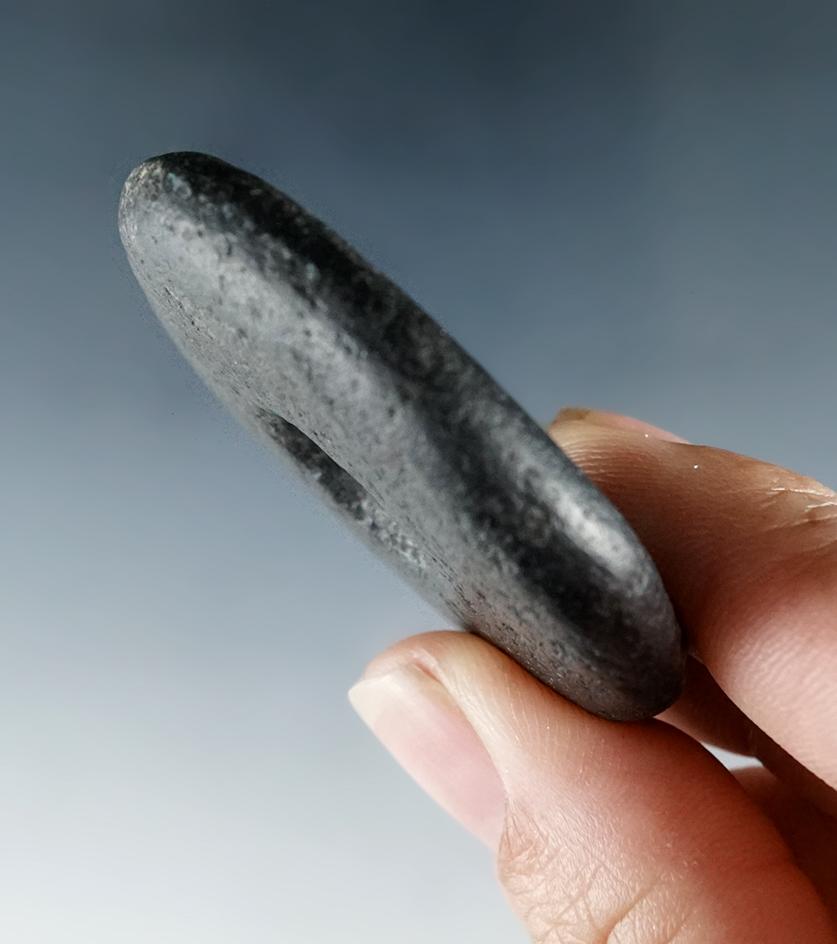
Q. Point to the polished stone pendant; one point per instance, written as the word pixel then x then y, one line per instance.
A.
pixel 403 433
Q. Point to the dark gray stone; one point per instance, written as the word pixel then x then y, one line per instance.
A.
pixel 403 432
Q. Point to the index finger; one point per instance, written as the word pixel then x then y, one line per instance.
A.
pixel 748 553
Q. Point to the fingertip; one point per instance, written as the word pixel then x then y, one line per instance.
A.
pixel 428 650
pixel 414 717
pixel 611 420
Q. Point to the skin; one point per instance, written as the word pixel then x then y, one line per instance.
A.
pixel 609 833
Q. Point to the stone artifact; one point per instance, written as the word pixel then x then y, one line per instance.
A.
pixel 403 433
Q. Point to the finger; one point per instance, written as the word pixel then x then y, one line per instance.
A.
pixel 748 553
pixel 811 836
pixel 706 714
pixel 615 421
pixel 628 832
pixel 704 711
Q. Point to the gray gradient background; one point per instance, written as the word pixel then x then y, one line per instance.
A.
pixel 626 205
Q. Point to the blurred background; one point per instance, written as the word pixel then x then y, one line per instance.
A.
pixel 628 205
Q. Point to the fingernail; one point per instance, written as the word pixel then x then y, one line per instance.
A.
pixel 417 721
pixel 614 421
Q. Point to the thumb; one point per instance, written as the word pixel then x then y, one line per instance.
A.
pixel 602 831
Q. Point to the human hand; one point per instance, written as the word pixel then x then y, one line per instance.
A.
pixel 610 833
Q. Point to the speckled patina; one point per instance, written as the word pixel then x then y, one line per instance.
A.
pixel 402 431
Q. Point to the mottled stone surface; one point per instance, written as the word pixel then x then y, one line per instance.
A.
pixel 404 434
